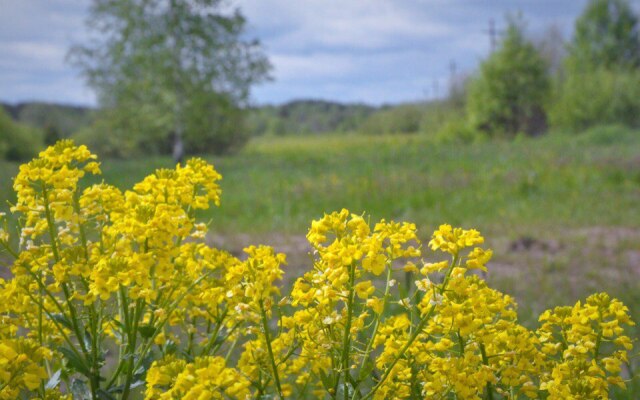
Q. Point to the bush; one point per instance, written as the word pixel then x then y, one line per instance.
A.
pixel 602 96
pixel 109 137
pixel 605 135
pixel 509 95
pixel 18 142
pixel 405 118
pixel 130 273
pixel 458 131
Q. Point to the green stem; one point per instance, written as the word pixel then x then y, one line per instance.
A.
pixel 485 361
pixel 414 335
pixel 131 348
pixel 94 323
pixel 40 335
pixel 214 336
pixel 50 225
pixel 265 325
pixel 161 324
pixel 461 343
pixel 347 331
pixel 66 337
pixel 375 327
pixel 5 245
pixel 598 339
pixel 94 381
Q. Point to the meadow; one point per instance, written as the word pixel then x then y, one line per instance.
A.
pixel 560 211
pixel 534 195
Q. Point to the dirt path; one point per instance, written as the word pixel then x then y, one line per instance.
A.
pixel 540 272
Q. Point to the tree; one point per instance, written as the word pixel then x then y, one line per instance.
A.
pixel 509 94
pixel 51 134
pixel 602 71
pixel 606 35
pixel 553 49
pixel 18 142
pixel 171 70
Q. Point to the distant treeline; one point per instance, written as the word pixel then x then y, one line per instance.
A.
pixel 526 86
pixel 43 123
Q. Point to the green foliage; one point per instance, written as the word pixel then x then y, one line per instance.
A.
pixel 457 130
pixel 51 135
pixel 608 135
pixel 509 94
pixel 214 124
pixel 274 184
pixel 183 63
pixel 110 137
pixel 64 119
pixel 18 142
pixel 602 74
pixel 302 117
pixel 406 118
pixel 597 97
pixel 606 35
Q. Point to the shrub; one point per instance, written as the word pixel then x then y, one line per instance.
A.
pixel 509 95
pixel 406 118
pixel 587 99
pixel 100 274
pixel 606 135
pixel 458 131
pixel 18 142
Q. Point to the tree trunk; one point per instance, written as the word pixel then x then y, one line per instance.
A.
pixel 178 134
pixel 178 146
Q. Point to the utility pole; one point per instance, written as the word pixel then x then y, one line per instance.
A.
pixel 452 77
pixel 493 34
pixel 436 89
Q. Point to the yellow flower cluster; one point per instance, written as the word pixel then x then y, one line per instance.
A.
pixel 20 366
pixel 586 347
pixel 205 378
pixel 100 274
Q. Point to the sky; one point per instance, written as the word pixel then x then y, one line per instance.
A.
pixel 366 51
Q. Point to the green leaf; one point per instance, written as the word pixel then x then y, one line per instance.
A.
pixel 327 382
pixel 146 331
pixel 75 362
pixel 105 395
pixel 62 320
pixel 170 347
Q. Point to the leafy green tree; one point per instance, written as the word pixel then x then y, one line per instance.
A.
pixel 606 35
pixel 597 97
pixel 18 142
pixel 51 134
pixel 171 70
pixel 601 81
pixel 509 94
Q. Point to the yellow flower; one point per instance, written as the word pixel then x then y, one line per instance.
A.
pixel 364 289
pixel 452 240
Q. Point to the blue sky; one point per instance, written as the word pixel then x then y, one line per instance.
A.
pixel 372 51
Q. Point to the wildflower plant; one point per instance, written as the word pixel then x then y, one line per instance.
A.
pixel 116 294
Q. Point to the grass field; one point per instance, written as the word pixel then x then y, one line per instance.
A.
pixel 561 212
pixel 555 182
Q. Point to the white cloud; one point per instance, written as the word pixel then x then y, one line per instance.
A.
pixel 32 53
pixel 347 50
pixel 292 67
pixel 364 24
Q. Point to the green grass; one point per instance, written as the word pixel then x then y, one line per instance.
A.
pixel 280 184
pixel 561 212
